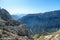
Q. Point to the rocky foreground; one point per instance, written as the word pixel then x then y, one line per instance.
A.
pixel 52 36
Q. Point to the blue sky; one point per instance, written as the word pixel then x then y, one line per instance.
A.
pixel 29 6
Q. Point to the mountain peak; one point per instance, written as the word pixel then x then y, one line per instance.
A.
pixel 4 14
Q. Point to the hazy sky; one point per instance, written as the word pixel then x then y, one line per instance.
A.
pixel 30 6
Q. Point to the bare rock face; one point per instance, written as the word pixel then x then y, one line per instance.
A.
pixel 5 15
pixel 10 28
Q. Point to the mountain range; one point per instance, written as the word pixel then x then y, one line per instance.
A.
pixel 40 23
pixel 45 26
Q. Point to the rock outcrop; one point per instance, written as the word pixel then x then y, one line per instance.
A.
pixel 10 28
pixel 5 15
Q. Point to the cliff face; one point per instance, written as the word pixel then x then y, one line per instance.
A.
pixel 10 28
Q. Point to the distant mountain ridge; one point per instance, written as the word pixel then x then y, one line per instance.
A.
pixel 42 22
pixel 17 16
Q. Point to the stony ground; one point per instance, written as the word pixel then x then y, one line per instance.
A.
pixel 5 35
pixel 52 36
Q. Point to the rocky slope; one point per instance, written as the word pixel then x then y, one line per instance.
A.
pixel 12 29
pixel 42 22
pixel 52 36
pixel 5 14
